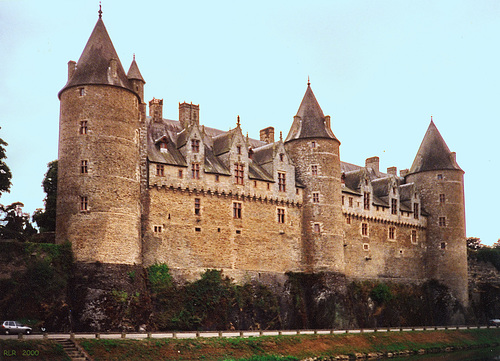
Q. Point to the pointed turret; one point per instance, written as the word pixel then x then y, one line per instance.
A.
pixel 433 153
pixel 310 122
pixel 134 72
pixel 136 80
pixel 99 63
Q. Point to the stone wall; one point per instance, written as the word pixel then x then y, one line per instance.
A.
pixel 192 242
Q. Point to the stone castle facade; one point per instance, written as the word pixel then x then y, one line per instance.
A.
pixel 136 189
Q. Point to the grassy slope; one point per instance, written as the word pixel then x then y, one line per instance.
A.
pixel 215 349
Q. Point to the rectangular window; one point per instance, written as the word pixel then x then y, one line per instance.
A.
pixel 195 171
pixel 160 170
pixel 315 197
pixel 157 229
pixel 84 203
pixel 394 206
pixel 179 174
pixel 84 167
pixel 83 127
pixel 217 178
pixel 351 202
pixel 413 236
pixel 268 186
pixel 366 200
pixel 281 215
pixel 366 247
pixel 442 221
pixel 281 182
pixel 195 145
pixel 316 228
pixel 82 91
pixel 443 245
pixel 442 198
pixel 364 229
pixel 237 210
pixel 239 173
pixel 440 176
pixel 392 232
pixel 282 157
pixel 197 206
pixel 416 211
pixel 238 149
pixel 343 200
pixel 348 220
pixel 314 170
pixel 313 144
pixel 255 184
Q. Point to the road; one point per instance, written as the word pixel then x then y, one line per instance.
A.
pixel 190 334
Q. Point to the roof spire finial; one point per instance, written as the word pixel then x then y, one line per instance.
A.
pixel 281 135
pixel 431 118
pixel 308 82
pixel 100 11
pixel 238 121
pixel 134 57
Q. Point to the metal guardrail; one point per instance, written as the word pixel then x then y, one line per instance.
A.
pixel 235 333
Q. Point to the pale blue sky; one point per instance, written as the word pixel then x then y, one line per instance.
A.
pixel 380 69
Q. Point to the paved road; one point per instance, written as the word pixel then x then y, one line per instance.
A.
pixel 179 335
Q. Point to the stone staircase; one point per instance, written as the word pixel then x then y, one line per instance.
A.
pixel 73 350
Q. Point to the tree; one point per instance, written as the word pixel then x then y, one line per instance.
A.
pixel 46 219
pixel 5 174
pixel 474 243
pixel 15 223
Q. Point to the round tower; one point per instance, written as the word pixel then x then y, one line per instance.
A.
pixel 314 150
pixel 440 182
pixel 98 200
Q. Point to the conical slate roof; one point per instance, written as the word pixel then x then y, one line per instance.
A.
pixel 433 153
pixel 94 65
pixel 310 120
pixel 133 71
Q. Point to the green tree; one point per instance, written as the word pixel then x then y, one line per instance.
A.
pixel 46 218
pixel 15 223
pixel 5 174
pixel 474 243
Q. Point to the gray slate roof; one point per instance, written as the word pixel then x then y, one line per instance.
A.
pixel 310 120
pixel 433 153
pixel 93 65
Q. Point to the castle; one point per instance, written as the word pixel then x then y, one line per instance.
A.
pixel 136 189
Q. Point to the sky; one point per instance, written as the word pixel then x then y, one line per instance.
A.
pixel 380 69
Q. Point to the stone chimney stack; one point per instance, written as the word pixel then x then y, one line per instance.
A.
pixel 156 109
pixel 373 163
pixel 71 68
pixel 328 122
pixel 404 172
pixel 189 114
pixel 267 135
pixel 392 171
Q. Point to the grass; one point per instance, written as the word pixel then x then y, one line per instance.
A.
pixel 266 348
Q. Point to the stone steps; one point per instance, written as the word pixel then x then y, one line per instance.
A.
pixel 72 351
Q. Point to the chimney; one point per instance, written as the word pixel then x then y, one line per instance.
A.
pixel 71 68
pixel 328 122
pixel 372 163
pixel 189 114
pixel 113 68
pixel 156 109
pixel 392 171
pixel 404 172
pixel 267 135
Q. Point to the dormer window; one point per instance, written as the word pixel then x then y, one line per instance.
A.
pixel 394 206
pixel 415 210
pixel 195 145
pixel 163 145
pixel 238 173
pixel 366 200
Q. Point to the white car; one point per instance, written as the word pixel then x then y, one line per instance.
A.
pixel 494 322
pixel 9 327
